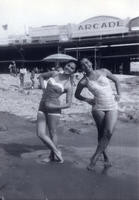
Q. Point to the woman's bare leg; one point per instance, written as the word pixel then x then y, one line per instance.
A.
pixel 109 125
pixel 41 132
pixel 53 122
pixel 98 116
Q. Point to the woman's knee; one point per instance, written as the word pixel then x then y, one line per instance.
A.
pixel 41 124
pixel 107 133
pixel 54 138
pixel 53 131
pixel 41 133
pixel 40 116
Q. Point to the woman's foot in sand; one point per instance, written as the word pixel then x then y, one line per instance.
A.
pixel 107 164
pixel 58 156
pixel 90 167
pixel 47 159
pixel 52 156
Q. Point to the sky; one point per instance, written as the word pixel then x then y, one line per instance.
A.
pixel 21 14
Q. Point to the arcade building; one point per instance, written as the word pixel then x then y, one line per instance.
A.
pixel 108 41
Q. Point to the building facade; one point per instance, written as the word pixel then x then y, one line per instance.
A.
pixel 109 41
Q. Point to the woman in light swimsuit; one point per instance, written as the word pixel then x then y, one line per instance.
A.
pixel 50 108
pixel 104 105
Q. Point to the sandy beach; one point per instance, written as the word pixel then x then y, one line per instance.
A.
pixel 24 177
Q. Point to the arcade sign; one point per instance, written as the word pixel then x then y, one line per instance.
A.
pixel 99 26
pixel 134 24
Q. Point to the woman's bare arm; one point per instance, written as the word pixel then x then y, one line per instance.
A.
pixel 115 80
pixel 81 85
pixel 44 76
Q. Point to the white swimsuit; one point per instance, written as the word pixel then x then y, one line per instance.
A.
pixel 51 96
pixel 54 83
pixel 103 93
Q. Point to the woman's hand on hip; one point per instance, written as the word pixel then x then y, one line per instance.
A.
pixel 117 97
pixel 90 101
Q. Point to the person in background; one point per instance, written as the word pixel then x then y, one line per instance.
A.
pixel 50 107
pixel 12 68
pixel 32 78
pixel 22 74
pixel 36 70
pixel 104 105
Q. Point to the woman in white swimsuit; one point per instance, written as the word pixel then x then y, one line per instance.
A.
pixel 104 105
pixel 50 108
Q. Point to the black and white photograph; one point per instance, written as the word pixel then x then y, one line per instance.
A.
pixel 69 100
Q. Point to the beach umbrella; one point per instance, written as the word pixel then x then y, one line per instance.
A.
pixel 59 57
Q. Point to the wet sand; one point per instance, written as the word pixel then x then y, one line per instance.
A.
pixel 24 177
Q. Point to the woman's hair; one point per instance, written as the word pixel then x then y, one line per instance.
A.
pixel 88 58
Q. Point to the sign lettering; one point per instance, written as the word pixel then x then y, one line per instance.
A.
pixel 102 25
